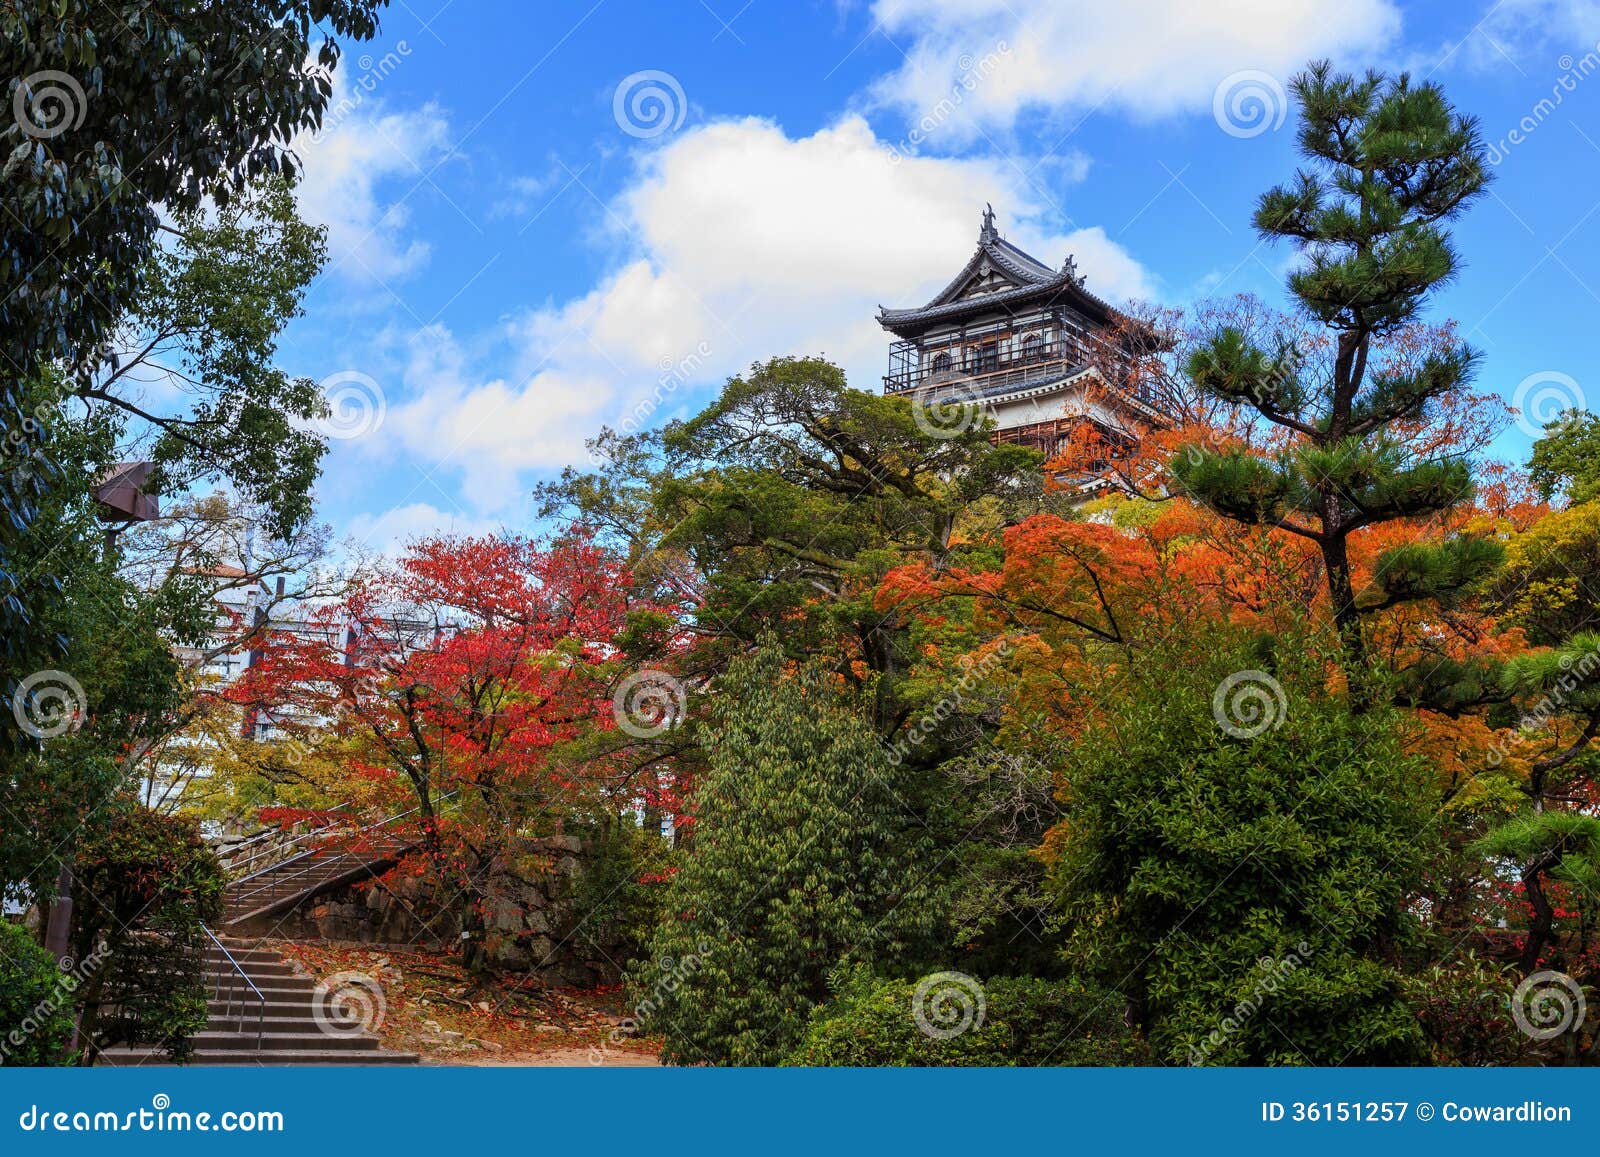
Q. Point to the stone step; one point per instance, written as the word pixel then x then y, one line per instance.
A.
pixel 265 962
pixel 250 1007
pixel 211 1039
pixel 274 1021
pixel 279 1028
pixel 323 1056
pixel 280 988
pixel 247 956
pixel 252 968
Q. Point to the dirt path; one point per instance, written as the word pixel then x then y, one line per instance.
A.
pixel 566 1058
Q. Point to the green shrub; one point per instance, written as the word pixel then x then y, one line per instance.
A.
pixel 1023 1022
pixel 35 1002
pixel 802 860
pixel 145 890
pixel 614 904
pixel 1245 879
pixel 1465 1011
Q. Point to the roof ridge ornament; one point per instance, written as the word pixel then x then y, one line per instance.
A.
pixel 1070 268
pixel 988 232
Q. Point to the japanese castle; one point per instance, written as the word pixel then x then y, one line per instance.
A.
pixel 1027 342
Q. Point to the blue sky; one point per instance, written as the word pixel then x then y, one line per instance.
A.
pixel 548 218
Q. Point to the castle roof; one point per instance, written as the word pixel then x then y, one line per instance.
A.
pixel 999 276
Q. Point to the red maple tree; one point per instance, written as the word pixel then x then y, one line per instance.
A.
pixel 461 683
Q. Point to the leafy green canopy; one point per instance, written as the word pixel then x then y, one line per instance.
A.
pixel 207 318
pixel 147 885
pixel 1566 461
pixel 126 107
pixel 1005 1021
pixel 782 504
pixel 35 1002
pixel 1389 164
pixel 112 642
pixel 129 106
pixel 1246 894
pixel 803 860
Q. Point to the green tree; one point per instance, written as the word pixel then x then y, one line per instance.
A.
pixel 783 504
pixel 147 885
pixel 207 316
pixel 1566 461
pixel 110 681
pixel 803 860
pixel 1548 588
pixel 1002 1021
pixel 1390 163
pixel 1555 843
pixel 35 1002
pixel 1236 858
pixel 124 109
pixel 1550 583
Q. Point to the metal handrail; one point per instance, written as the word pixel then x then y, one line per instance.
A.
pixel 313 852
pixel 280 837
pixel 261 1000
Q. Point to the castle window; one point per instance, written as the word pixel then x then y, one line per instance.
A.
pixel 983 358
pixel 1032 347
pixel 941 363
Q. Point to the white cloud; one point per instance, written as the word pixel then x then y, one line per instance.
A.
pixel 390 531
pixel 358 170
pixel 1530 26
pixel 742 243
pixel 488 429
pixel 1144 57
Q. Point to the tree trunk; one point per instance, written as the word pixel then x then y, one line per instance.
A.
pixel 1541 925
pixel 1341 591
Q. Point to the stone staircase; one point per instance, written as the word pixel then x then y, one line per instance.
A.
pixel 321 867
pixel 264 1011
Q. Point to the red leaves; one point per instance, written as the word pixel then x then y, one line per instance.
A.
pixel 462 670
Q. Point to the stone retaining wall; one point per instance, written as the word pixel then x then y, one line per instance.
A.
pixel 527 929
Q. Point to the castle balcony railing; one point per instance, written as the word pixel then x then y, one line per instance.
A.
pixel 991 373
pixel 984 370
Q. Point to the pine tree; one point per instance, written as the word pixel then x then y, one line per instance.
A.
pixel 802 861
pixel 1390 163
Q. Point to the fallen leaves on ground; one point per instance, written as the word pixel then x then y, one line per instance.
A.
pixel 432 1007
